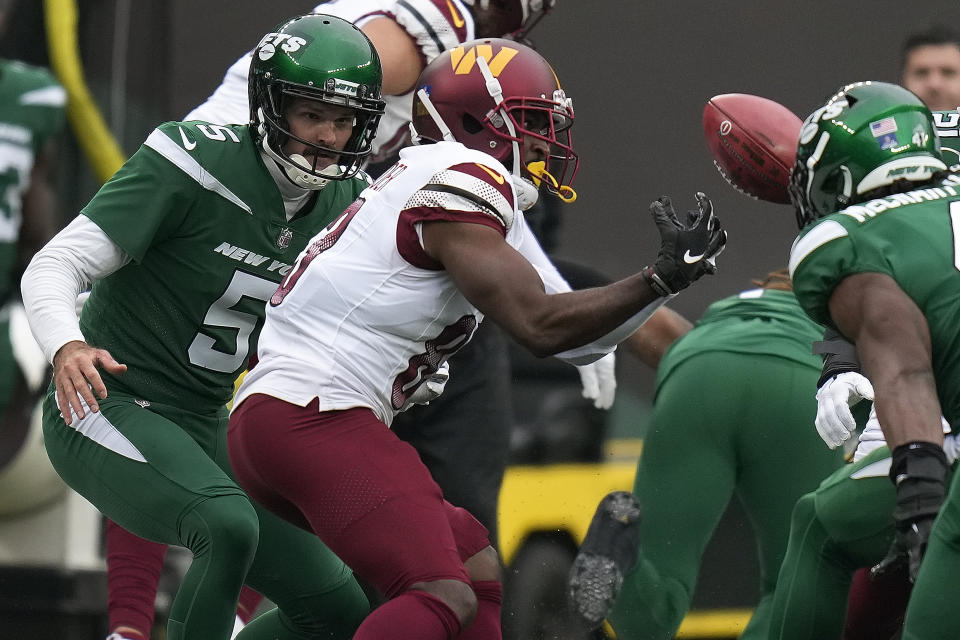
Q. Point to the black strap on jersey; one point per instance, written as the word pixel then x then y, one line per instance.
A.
pixel 839 356
pixel 478 200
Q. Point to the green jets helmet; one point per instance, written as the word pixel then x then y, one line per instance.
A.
pixel 868 136
pixel 323 58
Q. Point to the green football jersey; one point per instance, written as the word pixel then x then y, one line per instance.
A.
pixel 948 128
pixel 31 111
pixel 204 224
pixel 758 321
pixel 914 238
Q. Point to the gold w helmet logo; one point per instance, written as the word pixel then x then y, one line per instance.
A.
pixel 463 60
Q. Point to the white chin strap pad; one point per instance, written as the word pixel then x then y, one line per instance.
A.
pixel 527 193
pixel 308 180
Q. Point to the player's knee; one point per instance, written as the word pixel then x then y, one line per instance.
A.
pixel 332 613
pixel 484 565
pixel 804 511
pixel 459 596
pixel 231 523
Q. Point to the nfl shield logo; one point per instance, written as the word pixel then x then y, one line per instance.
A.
pixel 283 240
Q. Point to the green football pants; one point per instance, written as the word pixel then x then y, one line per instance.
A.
pixel 846 524
pixel 162 473
pixel 723 424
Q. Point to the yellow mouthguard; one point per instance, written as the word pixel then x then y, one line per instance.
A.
pixel 538 172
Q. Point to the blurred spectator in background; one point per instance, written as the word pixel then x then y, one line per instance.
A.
pixel 930 67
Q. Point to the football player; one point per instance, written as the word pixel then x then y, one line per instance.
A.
pixel 32 116
pixel 846 523
pixel 409 35
pixel 390 291
pixel 883 272
pixel 183 246
pixel 749 359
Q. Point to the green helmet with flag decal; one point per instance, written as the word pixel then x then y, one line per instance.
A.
pixel 870 138
pixel 323 58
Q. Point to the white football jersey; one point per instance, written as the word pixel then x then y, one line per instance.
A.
pixel 365 314
pixel 434 25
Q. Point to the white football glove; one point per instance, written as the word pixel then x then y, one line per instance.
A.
pixel 835 422
pixel 599 380
pixel 951 447
pixel 871 438
pixel 431 388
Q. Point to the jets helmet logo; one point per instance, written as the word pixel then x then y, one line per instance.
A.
pixel 284 41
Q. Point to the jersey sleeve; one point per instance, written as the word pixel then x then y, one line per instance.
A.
pixel 528 246
pixel 434 25
pixel 467 192
pixel 948 128
pixel 819 260
pixel 144 202
pixel 49 101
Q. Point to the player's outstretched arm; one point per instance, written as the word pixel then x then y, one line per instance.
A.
pixel 503 285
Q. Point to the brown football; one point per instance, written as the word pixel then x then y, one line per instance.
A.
pixel 754 142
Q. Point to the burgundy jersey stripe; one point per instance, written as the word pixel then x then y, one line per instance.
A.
pixel 408 244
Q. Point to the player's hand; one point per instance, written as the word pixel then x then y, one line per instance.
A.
pixel 919 471
pixel 835 422
pixel 688 250
pixel 906 551
pixel 77 380
pixel 431 388
pixel 599 380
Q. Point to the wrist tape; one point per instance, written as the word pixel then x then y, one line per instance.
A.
pixel 919 472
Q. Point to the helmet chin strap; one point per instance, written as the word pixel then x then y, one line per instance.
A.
pixel 496 92
pixel 296 168
pixel 435 116
pixel 306 179
pixel 527 192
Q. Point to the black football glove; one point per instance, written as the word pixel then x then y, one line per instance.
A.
pixel 687 250
pixel 919 471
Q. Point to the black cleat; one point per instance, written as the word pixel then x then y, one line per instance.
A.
pixel 608 552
